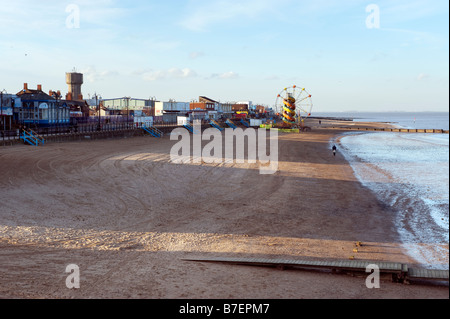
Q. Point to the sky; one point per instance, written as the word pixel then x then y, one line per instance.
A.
pixel 351 55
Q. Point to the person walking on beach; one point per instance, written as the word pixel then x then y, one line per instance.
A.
pixel 334 150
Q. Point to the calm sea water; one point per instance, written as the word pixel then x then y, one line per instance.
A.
pixel 409 172
pixel 419 120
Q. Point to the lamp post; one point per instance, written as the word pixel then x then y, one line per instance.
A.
pixel 127 99
pixel 1 111
pixel 152 106
pixel 97 104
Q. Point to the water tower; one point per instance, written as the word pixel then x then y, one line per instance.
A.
pixel 74 80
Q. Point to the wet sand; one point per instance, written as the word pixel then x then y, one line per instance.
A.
pixel 128 217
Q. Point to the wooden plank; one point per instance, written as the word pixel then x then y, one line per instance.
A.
pixel 351 265
pixel 428 273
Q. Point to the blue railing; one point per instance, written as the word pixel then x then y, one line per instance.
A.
pixel 231 124
pixel 153 131
pixel 189 127
pixel 32 138
pixel 216 125
pixel 245 123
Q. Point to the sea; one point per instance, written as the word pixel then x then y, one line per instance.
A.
pixel 410 173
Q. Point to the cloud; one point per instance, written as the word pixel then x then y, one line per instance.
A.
pixel 272 78
pixel 195 55
pixel 48 17
pixel 91 74
pixel 229 75
pixel 378 56
pixel 181 73
pixel 403 11
pixel 226 75
pixel 422 76
pixel 177 73
pixel 207 13
pixel 173 73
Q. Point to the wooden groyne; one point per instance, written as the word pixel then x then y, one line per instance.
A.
pixel 399 130
pixel 399 272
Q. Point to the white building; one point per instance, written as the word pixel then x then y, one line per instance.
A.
pixel 172 106
pixel 171 110
pixel 124 105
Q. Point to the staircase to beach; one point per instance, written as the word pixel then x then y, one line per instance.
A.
pixel 32 138
pixel 216 125
pixel 231 124
pixel 153 131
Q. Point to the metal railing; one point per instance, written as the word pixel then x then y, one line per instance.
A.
pixel 86 127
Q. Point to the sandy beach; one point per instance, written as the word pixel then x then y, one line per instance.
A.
pixel 128 217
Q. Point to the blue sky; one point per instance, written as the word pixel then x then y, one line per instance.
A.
pixel 234 50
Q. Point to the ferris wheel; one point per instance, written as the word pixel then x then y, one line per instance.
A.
pixel 294 104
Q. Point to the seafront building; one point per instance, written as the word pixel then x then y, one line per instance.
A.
pixel 167 111
pixel 127 106
pixel 36 108
pixel 8 102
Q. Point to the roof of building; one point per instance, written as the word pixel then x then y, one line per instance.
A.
pixel 34 95
pixel 205 99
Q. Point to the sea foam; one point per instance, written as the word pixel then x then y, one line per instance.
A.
pixel 409 172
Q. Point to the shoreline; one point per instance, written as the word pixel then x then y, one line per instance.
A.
pixel 128 217
pixel 429 255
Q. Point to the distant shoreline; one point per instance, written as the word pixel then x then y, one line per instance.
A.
pixel 404 120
